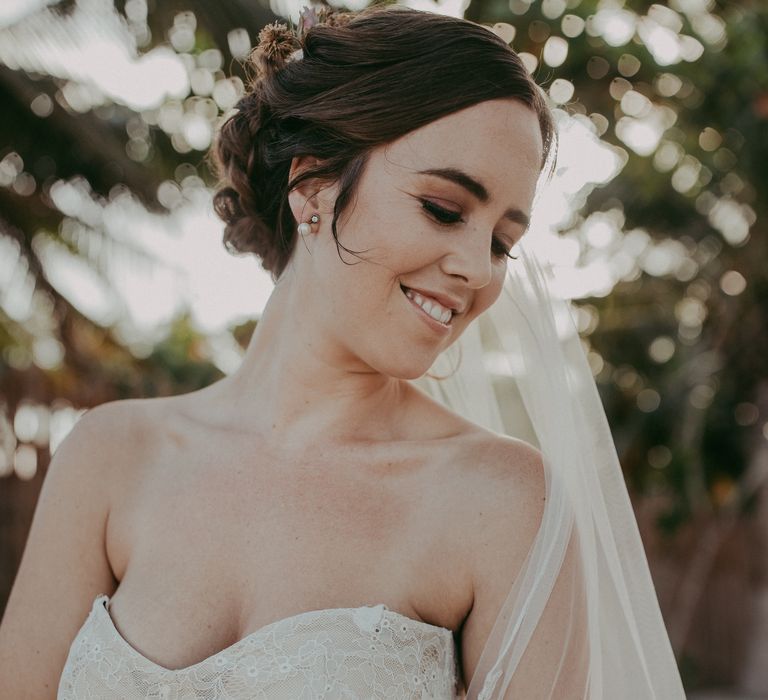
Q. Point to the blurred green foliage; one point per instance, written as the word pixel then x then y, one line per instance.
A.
pixel 687 424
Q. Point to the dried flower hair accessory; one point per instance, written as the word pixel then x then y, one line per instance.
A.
pixel 308 18
pixel 277 43
pixel 324 14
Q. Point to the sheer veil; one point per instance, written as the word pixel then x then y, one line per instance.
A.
pixel 581 620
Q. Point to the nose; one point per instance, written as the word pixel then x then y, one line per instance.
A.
pixel 470 258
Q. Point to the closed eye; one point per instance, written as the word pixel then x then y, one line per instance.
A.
pixel 443 216
pixel 446 217
pixel 501 250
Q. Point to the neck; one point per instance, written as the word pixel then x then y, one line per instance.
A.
pixel 298 384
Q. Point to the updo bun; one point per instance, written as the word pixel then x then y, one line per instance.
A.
pixel 249 197
pixel 276 43
pixel 336 87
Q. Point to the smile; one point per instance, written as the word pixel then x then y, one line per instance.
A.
pixel 437 315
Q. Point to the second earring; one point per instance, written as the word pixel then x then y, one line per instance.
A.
pixel 304 228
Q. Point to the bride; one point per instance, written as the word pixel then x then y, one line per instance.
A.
pixel 316 525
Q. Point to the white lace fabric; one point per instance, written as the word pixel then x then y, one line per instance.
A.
pixel 365 652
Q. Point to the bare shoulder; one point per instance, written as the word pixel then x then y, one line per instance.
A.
pixel 64 565
pixel 501 489
pixel 506 459
pixel 504 509
pixel 96 450
pixel 110 421
pixel 110 426
pixel 501 475
pixel 110 442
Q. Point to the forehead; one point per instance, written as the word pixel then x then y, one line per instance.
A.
pixel 497 140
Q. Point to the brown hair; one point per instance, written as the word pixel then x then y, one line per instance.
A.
pixel 365 79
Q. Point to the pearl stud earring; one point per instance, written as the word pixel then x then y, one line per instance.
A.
pixel 304 228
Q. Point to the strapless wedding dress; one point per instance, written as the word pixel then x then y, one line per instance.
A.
pixel 365 652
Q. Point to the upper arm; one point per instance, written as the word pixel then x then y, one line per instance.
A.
pixel 64 565
pixel 554 658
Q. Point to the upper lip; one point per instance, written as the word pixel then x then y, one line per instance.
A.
pixel 443 299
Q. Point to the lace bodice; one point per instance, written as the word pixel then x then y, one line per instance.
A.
pixel 365 652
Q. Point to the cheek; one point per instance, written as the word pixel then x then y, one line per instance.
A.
pixel 491 293
pixel 484 299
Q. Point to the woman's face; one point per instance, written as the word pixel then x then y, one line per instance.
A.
pixel 428 243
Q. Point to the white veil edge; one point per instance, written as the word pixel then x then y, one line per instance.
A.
pixel 582 619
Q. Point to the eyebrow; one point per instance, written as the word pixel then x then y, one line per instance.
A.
pixel 476 188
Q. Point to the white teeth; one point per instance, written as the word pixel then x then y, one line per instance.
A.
pixel 435 310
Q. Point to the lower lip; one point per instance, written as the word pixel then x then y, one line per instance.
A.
pixel 431 322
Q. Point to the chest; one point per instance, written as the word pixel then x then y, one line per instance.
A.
pixel 208 548
pixel 245 514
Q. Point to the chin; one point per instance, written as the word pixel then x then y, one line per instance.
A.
pixel 406 373
pixel 414 375
pixel 411 370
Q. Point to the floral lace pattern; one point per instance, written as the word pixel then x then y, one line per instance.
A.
pixel 366 652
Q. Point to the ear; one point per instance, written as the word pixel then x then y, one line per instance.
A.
pixel 309 197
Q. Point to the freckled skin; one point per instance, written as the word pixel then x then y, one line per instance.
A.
pixel 403 244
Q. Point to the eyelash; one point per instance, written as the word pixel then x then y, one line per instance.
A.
pixel 447 218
